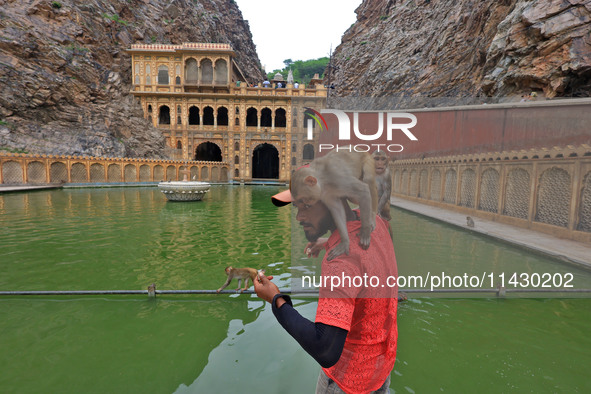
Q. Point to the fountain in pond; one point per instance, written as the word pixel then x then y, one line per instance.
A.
pixel 184 190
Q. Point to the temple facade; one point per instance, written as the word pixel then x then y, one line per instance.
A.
pixel 196 94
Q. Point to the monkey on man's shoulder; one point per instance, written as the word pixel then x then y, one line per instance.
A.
pixel 340 175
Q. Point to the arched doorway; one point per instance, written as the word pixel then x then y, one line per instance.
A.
pixel 265 162
pixel 208 151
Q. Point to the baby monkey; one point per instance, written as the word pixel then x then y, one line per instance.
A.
pixel 340 175
pixel 384 183
pixel 240 274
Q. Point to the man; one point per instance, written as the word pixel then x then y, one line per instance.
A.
pixel 355 332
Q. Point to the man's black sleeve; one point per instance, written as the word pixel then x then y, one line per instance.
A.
pixel 323 342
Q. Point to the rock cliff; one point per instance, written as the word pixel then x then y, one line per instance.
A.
pixel 65 77
pixel 498 49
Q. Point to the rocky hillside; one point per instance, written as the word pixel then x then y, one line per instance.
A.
pixel 65 76
pixel 466 48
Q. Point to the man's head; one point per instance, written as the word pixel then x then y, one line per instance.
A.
pixel 313 215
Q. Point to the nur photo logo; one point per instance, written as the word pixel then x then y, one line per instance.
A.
pixel 394 122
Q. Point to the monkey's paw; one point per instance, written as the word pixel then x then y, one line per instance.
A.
pixel 338 250
pixel 365 238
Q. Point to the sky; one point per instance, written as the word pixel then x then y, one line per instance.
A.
pixel 296 29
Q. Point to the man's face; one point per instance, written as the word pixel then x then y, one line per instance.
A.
pixel 315 219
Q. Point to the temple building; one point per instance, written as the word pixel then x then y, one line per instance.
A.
pixel 196 94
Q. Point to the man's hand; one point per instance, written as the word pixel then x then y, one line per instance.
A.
pixel 264 288
pixel 313 248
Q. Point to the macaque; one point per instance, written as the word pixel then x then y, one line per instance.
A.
pixel 240 274
pixel 469 221
pixel 333 178
pixel 384 183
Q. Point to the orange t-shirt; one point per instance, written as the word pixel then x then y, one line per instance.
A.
pixel 361 296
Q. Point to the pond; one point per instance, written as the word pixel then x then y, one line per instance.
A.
pixel 127 238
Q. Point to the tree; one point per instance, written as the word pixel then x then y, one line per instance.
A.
pixel 303 70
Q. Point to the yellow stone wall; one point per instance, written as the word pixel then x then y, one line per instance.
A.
pixel 543 190
pixel 20 169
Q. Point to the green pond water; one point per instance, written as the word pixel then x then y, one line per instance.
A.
pixel 127 238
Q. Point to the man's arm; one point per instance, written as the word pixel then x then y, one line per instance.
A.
pixel 323 342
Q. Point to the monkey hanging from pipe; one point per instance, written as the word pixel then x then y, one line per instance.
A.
pixel 340 175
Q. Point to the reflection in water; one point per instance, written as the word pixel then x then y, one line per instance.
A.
pixel 128 238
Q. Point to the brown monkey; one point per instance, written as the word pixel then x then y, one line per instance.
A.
pixel 239 273
pixel 384 183
pixel 334 177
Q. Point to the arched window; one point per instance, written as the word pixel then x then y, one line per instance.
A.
pixel 251 117
pixel 163 75
pixel 308 152
pixel 178 80
pixel 221 72
pixel 236 159
pixel 208 116
pixel 193 115
pixel 148 73
pixel 236 145
pixel 164 116
pixel 179 145
pixel 266 117
pixel 206 71
pixel 294 147
pixel 280 118
pixel 191 71
pixel 222 116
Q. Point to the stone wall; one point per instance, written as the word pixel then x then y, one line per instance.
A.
pixel 21 169
pixel 551 195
